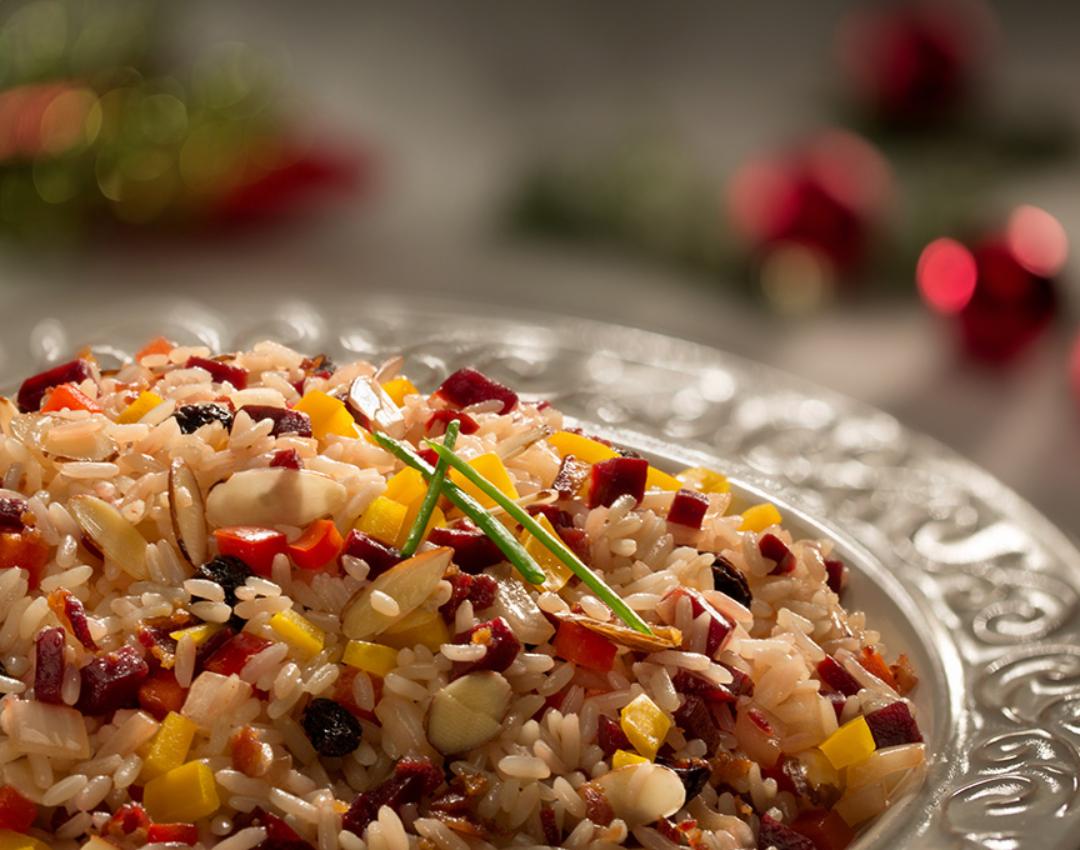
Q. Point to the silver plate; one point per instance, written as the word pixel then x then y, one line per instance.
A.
pixel 950 565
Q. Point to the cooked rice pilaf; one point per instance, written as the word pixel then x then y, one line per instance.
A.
pixel 211 637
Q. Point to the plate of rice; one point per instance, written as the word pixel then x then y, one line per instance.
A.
pixel 396 593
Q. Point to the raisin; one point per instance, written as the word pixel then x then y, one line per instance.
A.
pixel 227 571
pixel 332 730
pixel 729 581
pixel 191 417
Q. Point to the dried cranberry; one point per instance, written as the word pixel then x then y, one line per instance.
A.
pixel 556 516
pixel 597 806
pixel 692 772
pixel 429 456
pixel 33 389
pixel 838 702
pixel 285 421
pixel 550 826
pixel 279 835
pixel 440 419
pixel 127 820
pixel 220 373
pixel 473 550
pixel 893 725
pixel 332 730
pixel 619 476
pixel 286 459
pixel 772 547
pixel 501 642
pixel 741 683
pixel 729 581
pixel 688 508
pixel 467 387
pixel 479 590
pixel 696 721
pixel 226 571
pixel 610 736
pixel 11 514
pixel 49 665
pixel 191 417
pixel 577 540
pixel 772 833
pixel 482 592
pixel 112 681
pixel 836 575
pixel 570 478
pixel 833 674
pixel 412 779
pixel 68 607
pixel 378 556
pixel 688 683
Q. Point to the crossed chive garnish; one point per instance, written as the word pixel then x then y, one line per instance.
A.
pixel 508 544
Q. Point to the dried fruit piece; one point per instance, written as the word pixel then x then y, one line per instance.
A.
pixel 893 725
pixel 191 417
pixel 772 547
pixel 227 572
pixel 620 476
pixel 412 779
pixel 49 665
pixel 833 674
pixel 12 511
pixel 474 551
pixel 729 581
pixel 220 372
pixel 33 389
pixel 688 508
pixel 499 640
pixel 332 730
pixel 112 681
pixel 467 387
pixel 378 556
pixel 286 420
pixel 772 833
pixel 836 575
pixel 437 422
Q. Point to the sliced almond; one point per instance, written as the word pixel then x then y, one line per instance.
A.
pixel 409 584
pixel 274 496
pixel 188 513
pixel 642 793
pixel 662 637
pixel 515 604
pixel 468 712
pixel 115 537
pixel 377 411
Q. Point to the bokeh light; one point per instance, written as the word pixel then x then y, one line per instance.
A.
pixel 946 275
pixel 1037 240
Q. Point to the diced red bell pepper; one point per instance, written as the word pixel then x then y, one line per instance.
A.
pixel 172 833
pixel 286 459
pixel 127 820
pixel 826 829
pixel 619 476
pixel 893 725
pixel 256 547
pixel 69 397
pixel 688 508
pixel 772 547
pixel 833 674
pixel 220 372
pixel 33 389
pixel 286 420
pixel 440 419
pixel 16 812
pixel 24 549
pixel 429 456
pixel 872 661
pixel 232 657
pixel 319 545
pixel 161 693
pixel 378 556
pixel 474 551
pixel 467 387
pixel 158 345
pixel 584 647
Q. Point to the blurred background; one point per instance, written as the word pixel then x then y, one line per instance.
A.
pixel 878 197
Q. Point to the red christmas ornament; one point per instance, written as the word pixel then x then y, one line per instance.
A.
pixel 1074 368
pixel 913 63
pixel 1002 291
pixel 815 207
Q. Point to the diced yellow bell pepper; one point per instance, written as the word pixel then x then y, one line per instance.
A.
pixel 760 517
pixel 623 758
pixel 407 486
pixel 583 448
pixel 170 745
pixel 658 480
pixel 374 658
pixel 849 744
pixel 199 634
pixel 383 520
pixel 11 840
pixel 437 519
pixel 298 632
pixel 139 408
pixel 426 628
pixel 645 725
pixel 704 480
pixel 489 465
pixel 328 415
pixel 183 795
pixel 398 388
pixel 558 574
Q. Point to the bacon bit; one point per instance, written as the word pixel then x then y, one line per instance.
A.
pixel 161 694
pixel 597 807
pixel 440 419
pixel 571 477
pixel 70 611
pixel 550 827
pixel 250 755
pixel 904 675
pixel 873 663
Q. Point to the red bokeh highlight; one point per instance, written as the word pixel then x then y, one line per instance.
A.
pixel 1074 368
pixel 1037 240
pixel 946 275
